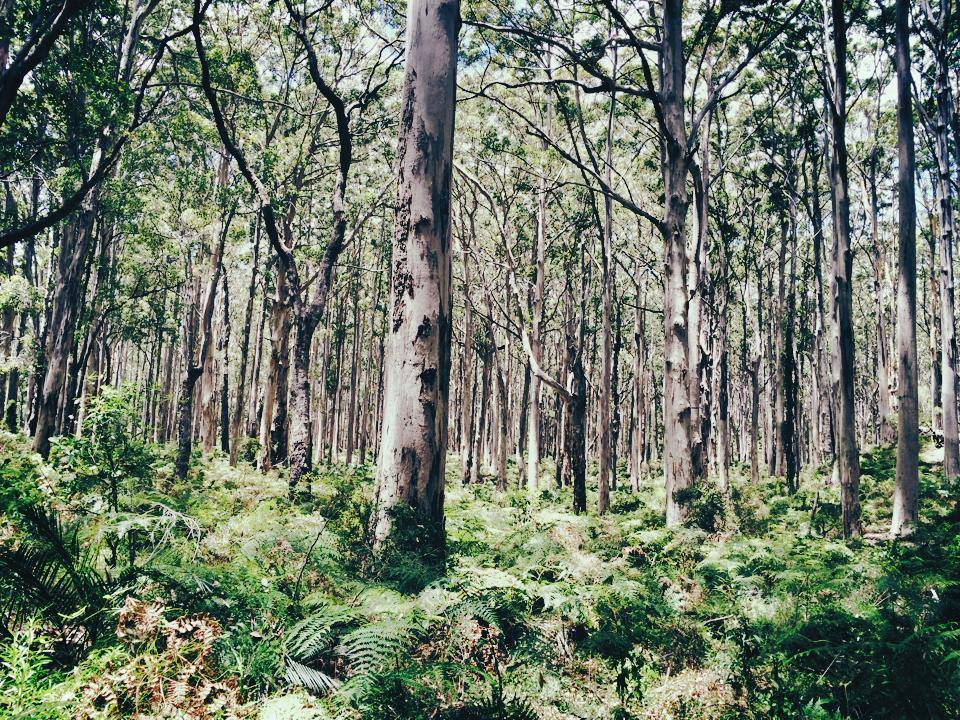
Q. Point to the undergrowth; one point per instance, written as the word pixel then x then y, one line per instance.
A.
pixel 218 598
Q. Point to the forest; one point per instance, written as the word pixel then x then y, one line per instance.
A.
pixel 480 360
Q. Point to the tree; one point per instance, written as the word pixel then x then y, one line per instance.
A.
pixel 417 357
pixel 908 412
pixel 848 451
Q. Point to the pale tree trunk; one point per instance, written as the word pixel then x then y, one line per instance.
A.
pixel 241 401
pixel 721 362
pixel 354 370
pixel 848 453
pixel 225 370
pixel 639 399
pixel 753 369
pixel 504 420
pixel 933 344
pixel 417 356
pixel 208 381
pixel 699 332
pixel 884 404
pixel 274 415
pixel 908 413
pixel 466 432
pixel 479 431
pixel 677 444
pixel 788 427
pixel 193 370
pixel 948 339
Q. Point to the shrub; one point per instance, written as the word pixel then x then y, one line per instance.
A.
pixel 706 505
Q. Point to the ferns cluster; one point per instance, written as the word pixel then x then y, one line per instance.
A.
pixel 749 612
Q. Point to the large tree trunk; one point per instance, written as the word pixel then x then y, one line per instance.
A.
pixel 417 362
pixel 908 413
pixel 677 444
pixel 848 453
pixel 63 319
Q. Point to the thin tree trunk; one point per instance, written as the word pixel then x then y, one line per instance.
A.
pixel 241 402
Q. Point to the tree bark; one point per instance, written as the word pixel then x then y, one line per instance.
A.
pixel 905 511
pixel 948 338
pixel 417 360
pixel 848 453
pixel 677 444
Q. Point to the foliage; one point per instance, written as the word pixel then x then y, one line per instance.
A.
pixel 108 452
pixel 25 671
pixel 532 612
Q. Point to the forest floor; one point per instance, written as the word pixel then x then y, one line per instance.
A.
pixel 241 604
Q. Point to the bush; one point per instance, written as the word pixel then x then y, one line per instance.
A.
pixel 706 505
pixel 107 455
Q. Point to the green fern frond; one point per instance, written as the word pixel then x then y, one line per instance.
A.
pixel 296 673
pixel 316 634
pixel 496 707
pixel 50 573
pixel 380 645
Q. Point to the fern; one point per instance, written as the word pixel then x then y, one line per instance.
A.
pixel 315 635
pixel 496 707
pixel 380 645
pixel 51 574
pixel 316 681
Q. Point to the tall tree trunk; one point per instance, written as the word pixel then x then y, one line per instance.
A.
pixel 606 310
pixel 193 370
pixel 466 413
pixel 417 362
pixel 699 330
pixel 948 339
pixel 677 444
pixel 884 405
pixel 536 318
pixel 236 420
pixel 788 427
pixel 848 452
pixel 225 372
pixel 908 413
